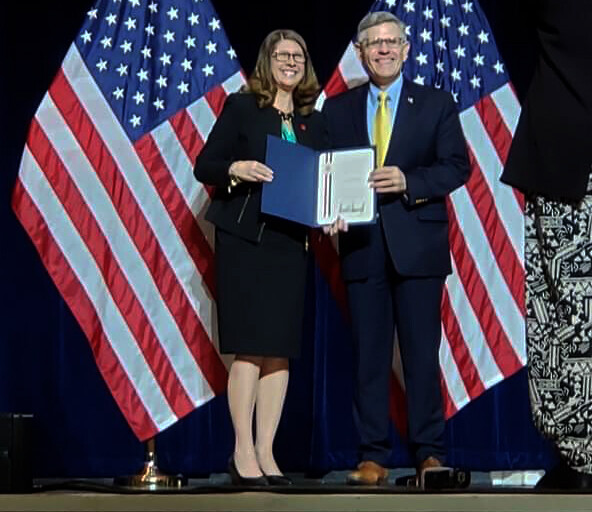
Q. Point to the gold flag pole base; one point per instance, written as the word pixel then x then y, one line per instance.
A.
pixel 150 477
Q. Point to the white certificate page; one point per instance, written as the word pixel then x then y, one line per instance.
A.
pixel 343 189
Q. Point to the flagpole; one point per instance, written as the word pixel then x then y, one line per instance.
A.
pixel 150 477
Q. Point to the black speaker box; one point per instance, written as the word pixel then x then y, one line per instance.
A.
pixel 15 452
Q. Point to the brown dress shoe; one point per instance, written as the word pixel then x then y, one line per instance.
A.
pixel 429 464
pixel 368 473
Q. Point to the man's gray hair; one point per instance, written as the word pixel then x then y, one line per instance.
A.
pixel 378 18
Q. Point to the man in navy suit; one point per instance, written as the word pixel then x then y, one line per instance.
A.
pixel 395 269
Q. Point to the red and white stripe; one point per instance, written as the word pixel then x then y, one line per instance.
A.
pixel 483 311
pixel 119 227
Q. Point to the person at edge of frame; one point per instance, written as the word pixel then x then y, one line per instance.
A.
pixel 550 161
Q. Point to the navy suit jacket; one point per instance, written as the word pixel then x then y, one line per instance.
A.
pixel 428 145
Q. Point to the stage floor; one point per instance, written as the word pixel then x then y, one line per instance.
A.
pixel 266 501
pixel 329 494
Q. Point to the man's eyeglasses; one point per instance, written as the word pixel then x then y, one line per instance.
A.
pixel 299 58
pixel 391 42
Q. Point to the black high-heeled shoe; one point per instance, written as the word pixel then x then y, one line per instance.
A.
pixel 237 479
pixel 278 480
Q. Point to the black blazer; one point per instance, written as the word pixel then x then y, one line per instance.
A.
pixel 240 134
pixel 551 154
pixel 428 145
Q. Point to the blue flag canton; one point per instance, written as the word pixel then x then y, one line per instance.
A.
pixel 452 47
pixel 151 58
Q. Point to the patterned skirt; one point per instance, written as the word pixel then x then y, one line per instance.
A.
pixel 558 257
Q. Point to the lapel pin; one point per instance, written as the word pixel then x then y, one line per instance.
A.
pixel 410 99
pixel 303 127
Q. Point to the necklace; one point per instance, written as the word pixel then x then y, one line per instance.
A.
pixel 286 116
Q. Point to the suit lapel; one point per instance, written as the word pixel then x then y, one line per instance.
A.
pixel 360 114
pixel 272 121
pixel 302 130
pixel 404 118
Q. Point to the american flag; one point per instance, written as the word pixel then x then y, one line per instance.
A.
pixel 107 194
pixel 483 310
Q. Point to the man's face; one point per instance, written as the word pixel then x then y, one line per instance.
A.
pixel 383 52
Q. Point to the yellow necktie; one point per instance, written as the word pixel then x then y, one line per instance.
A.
pixel 382 128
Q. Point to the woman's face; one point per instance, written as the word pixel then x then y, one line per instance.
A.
pixel 287 64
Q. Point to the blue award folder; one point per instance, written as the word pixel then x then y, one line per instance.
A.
pixel 316 187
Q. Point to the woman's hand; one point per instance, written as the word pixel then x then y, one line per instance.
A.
pixel 250 170
pixel 338 225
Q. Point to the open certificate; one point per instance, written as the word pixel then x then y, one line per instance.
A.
pixel 316 187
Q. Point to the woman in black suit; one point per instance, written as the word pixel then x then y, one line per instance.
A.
pixel 260 260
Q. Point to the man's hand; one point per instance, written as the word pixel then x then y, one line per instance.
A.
pixel 388 179
pixel 250 170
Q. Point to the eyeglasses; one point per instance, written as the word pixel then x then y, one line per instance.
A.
pixel 285 57
pixel 391 42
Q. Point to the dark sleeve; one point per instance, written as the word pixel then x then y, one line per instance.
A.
pixel 211 166
pixel 321 136
pixel 551 152
pixel 337 120
pixel 326 115
pixel 450 169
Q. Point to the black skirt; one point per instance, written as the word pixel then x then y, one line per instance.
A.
pixel 260 292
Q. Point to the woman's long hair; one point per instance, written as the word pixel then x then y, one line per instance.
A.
pixel 263 86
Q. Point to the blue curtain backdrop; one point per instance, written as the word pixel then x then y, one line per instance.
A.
pixel 46 366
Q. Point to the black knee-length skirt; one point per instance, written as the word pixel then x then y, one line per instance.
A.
pixel 260 293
